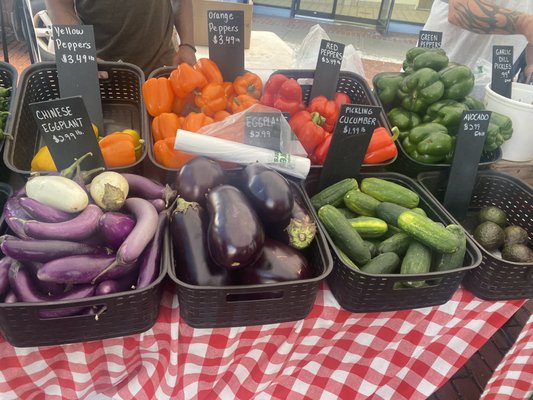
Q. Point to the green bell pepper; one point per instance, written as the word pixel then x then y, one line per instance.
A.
pixel 500 129
pixel 404 120
pixel 446 112
pixel 458 81
pixel 420 89
pixel 473 104
pixel 419 57
pixel 428 143
pixel 386 84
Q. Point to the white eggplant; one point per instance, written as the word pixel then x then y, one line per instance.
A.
pixel 109 190
pixel 57 191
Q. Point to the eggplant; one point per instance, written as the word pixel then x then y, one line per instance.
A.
pixel 45 250
pixel 110 286
pixel 42 212
pixel 278 263
pixel 197 177
pixel 10 298
pixel 159 204
pixel 188 230
pixel 25 290
pixel 48 288
pixel 15 216
pixel 150 261
pixel 235 234
pixel 114 227
pixel 82 269
pixel 268 191
pixel 5 263
pixel 78 228
pixel 141 186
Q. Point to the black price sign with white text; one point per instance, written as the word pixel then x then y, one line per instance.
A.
pixel 468 148
pixel 225 30
pixel 263 129
pixel 327 71
pixel 77 69
pixel 430 39
pixel 351 136
pixel 502 64
pixel 67 131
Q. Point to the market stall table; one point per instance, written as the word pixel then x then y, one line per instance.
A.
pixel 330 354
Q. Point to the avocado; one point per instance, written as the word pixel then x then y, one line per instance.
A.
pixel 515 235
pixel 489 235
pixel 517 253
pixel 494 214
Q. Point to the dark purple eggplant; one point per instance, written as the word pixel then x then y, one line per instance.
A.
pixel 15 216
pixel 110 286
pixel 235 234
pixel 278 263
pixel 268 191
pixel 150 260
pixel 10 298
pixel 78 228
pixel 188 230
pixel 42 212
pixel 197 177
pixel 25 290
pixel 5 263
pixel 141 186
pixel 45 250
pixel 159 204
pixel 114 227
pixel 82 269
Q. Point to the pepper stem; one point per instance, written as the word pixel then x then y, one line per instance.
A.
pixel 395 133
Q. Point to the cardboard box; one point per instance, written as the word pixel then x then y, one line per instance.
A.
pixel 200 8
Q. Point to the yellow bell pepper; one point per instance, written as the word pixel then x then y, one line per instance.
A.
pixel 42 161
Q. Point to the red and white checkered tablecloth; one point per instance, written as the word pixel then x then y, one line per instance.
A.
pixel 331 354
pixel 513 377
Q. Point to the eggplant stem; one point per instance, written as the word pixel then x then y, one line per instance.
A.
pixel 71 169
pixel 111 266
pixel 169 194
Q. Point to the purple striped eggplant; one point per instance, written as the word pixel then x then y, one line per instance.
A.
pixel 115 227
pixel 110 286
pixel 42 212
pixel 141 186
pixel 15 216
pixel 150 261
pixel 5 264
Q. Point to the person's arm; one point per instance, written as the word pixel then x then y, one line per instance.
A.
pixel 62 12
pixel 183 21
pixel 528 72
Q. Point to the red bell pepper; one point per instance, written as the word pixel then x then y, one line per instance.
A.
pixel 381 147
pixel 342 98
pixel 328 109
pixel 321 152
pixel 283 93
pixel 308 128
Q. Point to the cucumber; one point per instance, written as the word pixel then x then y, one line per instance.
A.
pixel 343 235
pixel 428 232
pixel 372 247
pixel 397 244
pixel 448 261
pixel 334 194
pixel 369 227
pixel 347 213
pixel 361 203
pixel 346 260
pixel 393 230
pixel 386 263
pixel 417 260
pixel 389 212
pixel 419 210
pixel 391 192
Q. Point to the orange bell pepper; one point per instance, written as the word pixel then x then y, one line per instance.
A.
pixel 221 115
pixel 158 96
pixel 211 99
pixel 183 106
pixel 165 125
pixel 248 83
pixel 194 121
pixel 242 102
pixel 118 149
pixel 185 79
pixel 209 69
pixel 230 94
pixel 166 155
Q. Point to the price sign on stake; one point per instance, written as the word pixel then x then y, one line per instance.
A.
pixel 502 63
pixel 77 69
pixel 225 30
pixel 468 147
pixel 328 67
pixel 67 131
pixel 350 140
pixel 430 39
pixel 263 129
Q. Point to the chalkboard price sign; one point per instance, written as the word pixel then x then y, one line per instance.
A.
pixel 430 39
pixel 328 67
pixel 351 137
pixel 225 30
pixel 263 129
pixel 502 63
pixel 468 148
pixel 67 131
pixel 77 69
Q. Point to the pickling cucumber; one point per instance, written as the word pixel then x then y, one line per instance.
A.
pixel 361 203
pixel 384 190
pixel 369 227
pixel 417 260
pixel 334 194
pixel 386 263
pixel 448 261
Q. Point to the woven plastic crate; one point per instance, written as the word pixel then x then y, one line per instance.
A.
pixel 122 107
pixel 118 314
pixel 245 305
pixel 359 292
pixel 5 191
pixel 8 78
pixel 495 279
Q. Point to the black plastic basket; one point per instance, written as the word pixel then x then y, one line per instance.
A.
pixel 5 192
pixel 245 305
pixel 122 107
pixel 118 314
pixel 495 279
pixel 360 292
pixel 8 78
